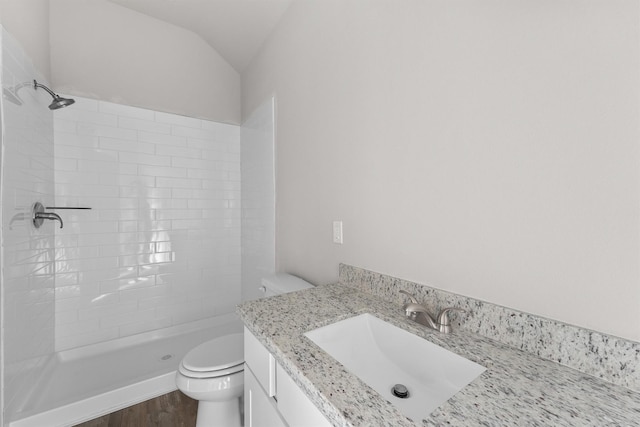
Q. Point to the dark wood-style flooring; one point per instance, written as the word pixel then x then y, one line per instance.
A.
pixel 169 410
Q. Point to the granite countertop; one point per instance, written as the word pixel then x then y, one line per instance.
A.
pixel 517 388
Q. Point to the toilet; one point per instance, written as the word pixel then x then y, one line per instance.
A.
pixel 213 372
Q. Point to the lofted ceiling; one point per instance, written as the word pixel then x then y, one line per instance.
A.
pixel 236 29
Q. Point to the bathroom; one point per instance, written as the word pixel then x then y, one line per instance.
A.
pixel 484 148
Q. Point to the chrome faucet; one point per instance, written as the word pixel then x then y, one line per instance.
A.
pixel 48 215
pixel 418 313
pixel 39 215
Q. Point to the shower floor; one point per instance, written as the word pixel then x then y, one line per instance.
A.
pixel 91 381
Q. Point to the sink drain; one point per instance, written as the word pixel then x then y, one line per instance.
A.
pixel 166 357
pixel 400 391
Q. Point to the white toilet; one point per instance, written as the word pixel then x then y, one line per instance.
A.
pixel 213 372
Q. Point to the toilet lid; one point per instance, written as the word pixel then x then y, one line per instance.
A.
pixel 211 374
pixel 217 354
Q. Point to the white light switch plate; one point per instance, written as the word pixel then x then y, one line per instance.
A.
pixel 337 232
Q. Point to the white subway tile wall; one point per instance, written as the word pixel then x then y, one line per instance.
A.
pixel 161 244
pixel 28 253
pixel 258 198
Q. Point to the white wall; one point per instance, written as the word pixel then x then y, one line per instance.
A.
pixel 104 51
pixel 161 245
pixel 27 253
pixel 2 367
pixel 258 198
pixel 28 22
pixel 486 148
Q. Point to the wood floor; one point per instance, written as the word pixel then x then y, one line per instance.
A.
pixel 169 410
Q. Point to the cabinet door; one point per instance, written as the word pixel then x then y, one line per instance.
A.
pixel 295 406
pixel 259 409
pixel 261 361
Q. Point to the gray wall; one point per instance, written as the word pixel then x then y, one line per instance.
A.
pixel 28 22
pixel 485 148
pixel 100 50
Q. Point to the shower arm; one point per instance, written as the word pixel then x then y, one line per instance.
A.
pixel 37 85
pixel 58 101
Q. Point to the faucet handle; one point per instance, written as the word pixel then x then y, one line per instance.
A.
pixel 443 318
pixel 411 297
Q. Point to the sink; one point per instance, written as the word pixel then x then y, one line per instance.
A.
pixel 383 355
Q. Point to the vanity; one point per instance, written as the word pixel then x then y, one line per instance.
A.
pixel 272 398
pixel 290 380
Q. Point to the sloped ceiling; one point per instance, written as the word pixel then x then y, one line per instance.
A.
pixel 235 28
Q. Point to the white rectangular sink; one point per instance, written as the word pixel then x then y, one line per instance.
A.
pixel 383 355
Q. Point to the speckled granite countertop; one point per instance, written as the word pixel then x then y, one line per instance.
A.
pixel 517 389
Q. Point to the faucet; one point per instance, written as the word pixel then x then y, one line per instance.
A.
pixel 39 215
pixel 48 215
pixel 418 313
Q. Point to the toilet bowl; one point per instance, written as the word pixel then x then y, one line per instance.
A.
pixel 213 372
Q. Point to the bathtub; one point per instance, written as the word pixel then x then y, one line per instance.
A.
pixel 92 381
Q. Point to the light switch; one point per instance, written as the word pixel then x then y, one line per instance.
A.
pixel 337 232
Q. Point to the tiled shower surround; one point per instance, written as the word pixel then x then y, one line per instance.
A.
pixel 258 201
pixel 28 255
pixel 161 244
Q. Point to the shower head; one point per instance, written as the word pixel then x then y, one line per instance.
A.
pixel 58 101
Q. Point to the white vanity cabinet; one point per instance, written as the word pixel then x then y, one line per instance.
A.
pixel 271 397
pixel 259 409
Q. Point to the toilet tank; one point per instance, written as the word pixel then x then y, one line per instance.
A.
pixel 281 283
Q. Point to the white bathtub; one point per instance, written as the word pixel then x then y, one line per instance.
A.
pixel 95 380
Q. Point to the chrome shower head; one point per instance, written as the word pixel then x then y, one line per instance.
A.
pixel 58 101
